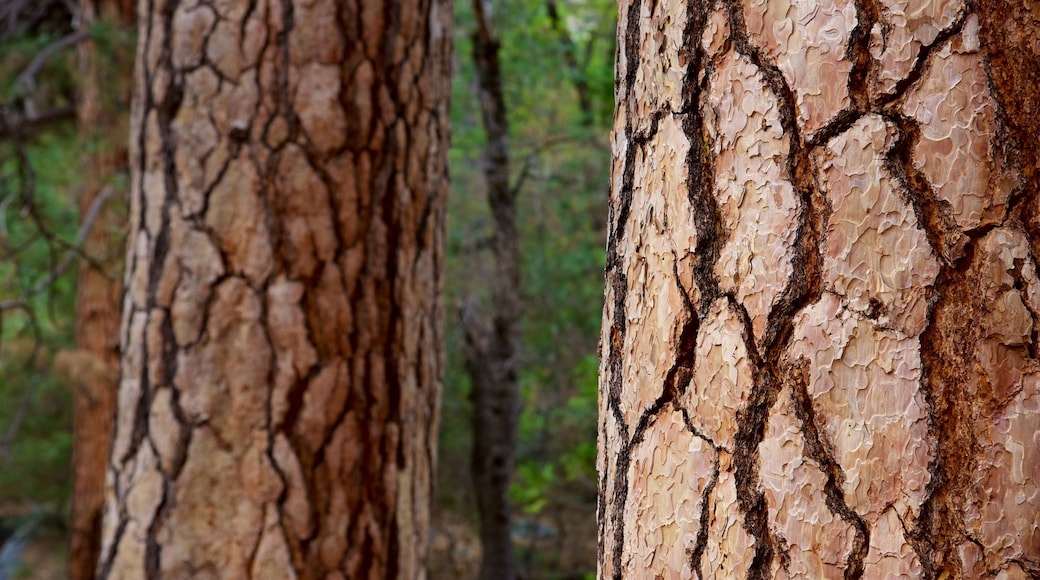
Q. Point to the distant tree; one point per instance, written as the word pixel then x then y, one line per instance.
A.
pixel 93 368
pixel 281 326
pixel 492 338
pixel 820 350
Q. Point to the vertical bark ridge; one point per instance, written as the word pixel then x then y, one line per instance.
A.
pixel 700 167
pixel 802 289
pixel 616 276
pixel 946 357
pixel 943 363
pixel 959 405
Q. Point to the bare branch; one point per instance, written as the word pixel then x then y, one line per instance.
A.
pixel 15 124
pixel 74 252
pixel 27 78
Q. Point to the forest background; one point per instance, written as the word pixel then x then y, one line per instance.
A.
pixel 557 75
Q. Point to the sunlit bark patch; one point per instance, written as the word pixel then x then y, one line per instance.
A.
pixel 730 549
pixel 877 258
pixel 891 555
pixel 906 26
pixel 661 231
pixel 661 72
pixel 757 202
pixel 668 474
pixel 816 541
pixel 807 42
pixel 864 382
pixel 722 376
pixel 956 113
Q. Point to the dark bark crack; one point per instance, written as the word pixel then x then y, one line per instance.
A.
pixel 617 280
pixel 821 451
pixel 803 288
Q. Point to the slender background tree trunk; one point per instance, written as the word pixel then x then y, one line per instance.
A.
pixel 819 355
pixel 94 366
pixel 492 350
pixel 282 322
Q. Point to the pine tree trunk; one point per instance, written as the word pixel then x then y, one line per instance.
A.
pixel 93 367
pixel 282 322
pixel 819 355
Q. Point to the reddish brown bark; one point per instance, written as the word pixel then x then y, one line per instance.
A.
pixel 93 366
pixel 820 350
pixel 282 320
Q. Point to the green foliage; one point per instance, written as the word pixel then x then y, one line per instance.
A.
pixel 38 224
pixel 36 461
pixel 37 227
pixel 53 85
pixel 563 165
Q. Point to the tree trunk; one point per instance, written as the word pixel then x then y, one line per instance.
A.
pixel 819 355
pixel 93 366
pixel 491 351
pixel 282 321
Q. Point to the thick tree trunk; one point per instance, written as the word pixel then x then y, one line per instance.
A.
pixel 94 366
pixel 819 355
pixel 492 350
pixel 282 321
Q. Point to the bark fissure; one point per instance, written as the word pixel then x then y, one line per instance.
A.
pixel 700 182
pixel 822 452
pixel 697 555
pixel 934 215
pixel 802 289
pixel 924 58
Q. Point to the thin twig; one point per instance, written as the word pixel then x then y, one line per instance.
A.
pixel 27 78
pixel 12 124
pixel 81 235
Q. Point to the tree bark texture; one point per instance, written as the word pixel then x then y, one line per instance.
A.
pixel 277 410
pixel 94 366
pixel 491 350
pixel 819 355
